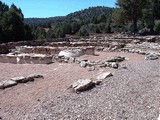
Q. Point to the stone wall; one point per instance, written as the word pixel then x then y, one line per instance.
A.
pixel 26 59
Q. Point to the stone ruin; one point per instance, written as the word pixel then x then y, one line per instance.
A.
pixel 44 52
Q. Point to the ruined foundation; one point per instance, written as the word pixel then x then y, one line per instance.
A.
pixel 41 52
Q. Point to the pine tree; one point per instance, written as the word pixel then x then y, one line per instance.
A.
pixel 132 9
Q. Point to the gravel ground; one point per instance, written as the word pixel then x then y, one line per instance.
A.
pixel 131 94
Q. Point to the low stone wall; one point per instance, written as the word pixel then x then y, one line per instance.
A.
pixel 26 59
pixel 8 59
pixel 38 50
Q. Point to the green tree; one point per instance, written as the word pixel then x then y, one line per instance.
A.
pixel 3 8
pixel 101 18
pixel 67 28
pixel 12 24
pixel 75 26
pixel 94 20
pixel 50 34
pixel 28 33
pixel 60 33
pixel 40 33
pixel 132 10
pixel 118 16
pixel 83 32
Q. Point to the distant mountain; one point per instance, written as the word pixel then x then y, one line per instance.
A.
pixel 79 15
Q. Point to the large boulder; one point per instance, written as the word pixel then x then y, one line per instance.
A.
pixel 82 85
pixel 71 53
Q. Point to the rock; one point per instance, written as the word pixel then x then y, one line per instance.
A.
pixel 83 64
pixel 20 79
pixel 72 59
pixel 151 56
pixel 101 64
pixel 97 82
pixel 104 75
pixel 114 65
pixel 123 66
pixel 82 85
pixel 7 83
pixel 71 53
pixel 108 64
pixel 35 76
pixel 77 61
pixel 159 117
pixel 91 68
pixel 116 59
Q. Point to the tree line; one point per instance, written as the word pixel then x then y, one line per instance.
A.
pixel 81 23
pixel 132 16
pixel 141 13
pixel 12 28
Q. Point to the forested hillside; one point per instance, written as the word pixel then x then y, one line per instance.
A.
pixel 76 16
pixel 82 23
pixel 136 16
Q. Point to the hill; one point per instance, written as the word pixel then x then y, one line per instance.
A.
pixel 76 16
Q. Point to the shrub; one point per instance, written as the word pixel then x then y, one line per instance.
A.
pixel 157 26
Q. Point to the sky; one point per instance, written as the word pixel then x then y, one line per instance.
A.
pixel 51 8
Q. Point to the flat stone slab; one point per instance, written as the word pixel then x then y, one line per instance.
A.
pixel 7 83
pixel 19 79
pixel 14 81
pixel 116 59
pixel 35 76
pixel 104 75
pixel 82 85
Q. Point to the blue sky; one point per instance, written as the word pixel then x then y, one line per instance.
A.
pixel 51 8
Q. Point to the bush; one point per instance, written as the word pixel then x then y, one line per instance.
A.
pixel 157 26
pixel 108 29
pixel 83 32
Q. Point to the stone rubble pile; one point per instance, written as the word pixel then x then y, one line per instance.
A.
pixel 16 80
pixel 143 48
pixel 112 62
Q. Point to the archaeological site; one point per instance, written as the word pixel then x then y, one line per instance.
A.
pixel 101 77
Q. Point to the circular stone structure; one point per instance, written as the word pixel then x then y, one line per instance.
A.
pixel 71 53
